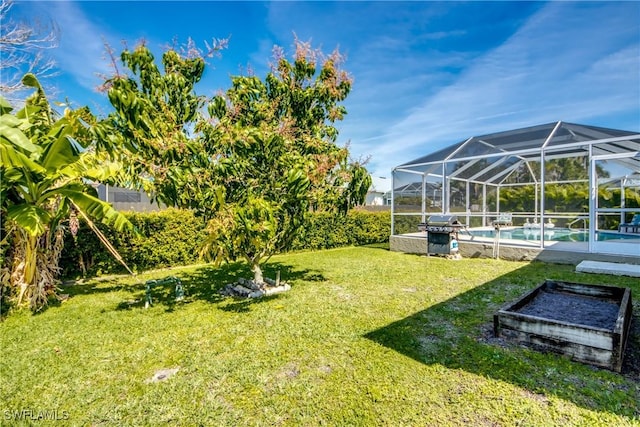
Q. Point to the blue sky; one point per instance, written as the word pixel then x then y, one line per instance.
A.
pixel 426 74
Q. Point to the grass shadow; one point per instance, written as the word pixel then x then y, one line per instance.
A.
pixel 457 333
pixel 204 284
pixel 94 286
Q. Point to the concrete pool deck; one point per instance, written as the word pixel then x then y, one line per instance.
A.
pixel 627 252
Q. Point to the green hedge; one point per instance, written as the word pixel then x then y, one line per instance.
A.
pixel 173 237
pixel 168 238
pixel 326 230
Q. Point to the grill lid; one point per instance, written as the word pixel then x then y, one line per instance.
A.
pixel 442 220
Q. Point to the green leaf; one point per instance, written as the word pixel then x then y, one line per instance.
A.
pixel 11 134
pixel 94 207
pixel 13 159
pixel 61 152
pixel 5 107
pixel 88 167
pixel 32 219
pixel 30 80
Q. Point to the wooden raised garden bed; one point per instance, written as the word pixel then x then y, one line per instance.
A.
pixel 589 323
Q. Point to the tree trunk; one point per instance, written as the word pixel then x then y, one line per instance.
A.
pixel 257 272
pixel 28 266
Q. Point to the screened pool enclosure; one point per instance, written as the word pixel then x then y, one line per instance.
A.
pixel 547 178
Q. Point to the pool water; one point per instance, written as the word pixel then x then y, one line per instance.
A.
pixel 551 234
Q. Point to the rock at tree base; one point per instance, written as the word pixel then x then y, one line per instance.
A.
pixel 250 289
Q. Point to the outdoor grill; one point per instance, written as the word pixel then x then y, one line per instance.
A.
pixel 442 234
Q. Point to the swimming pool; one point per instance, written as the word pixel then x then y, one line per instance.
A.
pixel 550 234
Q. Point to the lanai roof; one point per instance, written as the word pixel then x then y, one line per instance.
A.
pixel 491 157
pixel 559 138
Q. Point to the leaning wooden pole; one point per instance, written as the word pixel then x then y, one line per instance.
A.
pixel 104 240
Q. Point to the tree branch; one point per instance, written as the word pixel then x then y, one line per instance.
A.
pixel 23 46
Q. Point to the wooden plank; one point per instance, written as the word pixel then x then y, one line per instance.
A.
pixel 598 291
pixel 623 325
pixel 578 352
pixel 624 315
pixel 594 337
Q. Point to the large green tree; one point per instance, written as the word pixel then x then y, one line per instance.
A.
pixel 151 131
pixel 273 146
pixel 45 161
pixel 263 157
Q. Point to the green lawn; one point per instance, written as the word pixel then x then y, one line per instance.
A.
pixel 364 337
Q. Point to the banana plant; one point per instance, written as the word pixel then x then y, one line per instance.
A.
pixel 46 161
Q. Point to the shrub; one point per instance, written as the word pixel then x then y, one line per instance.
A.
pixel 173 237
pixel 169 237
pixel 328 230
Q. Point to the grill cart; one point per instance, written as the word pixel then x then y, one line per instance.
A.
pixel 442 234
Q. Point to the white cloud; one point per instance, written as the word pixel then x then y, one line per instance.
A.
pixel 81 52
pixel 423 76
pixel 568 62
